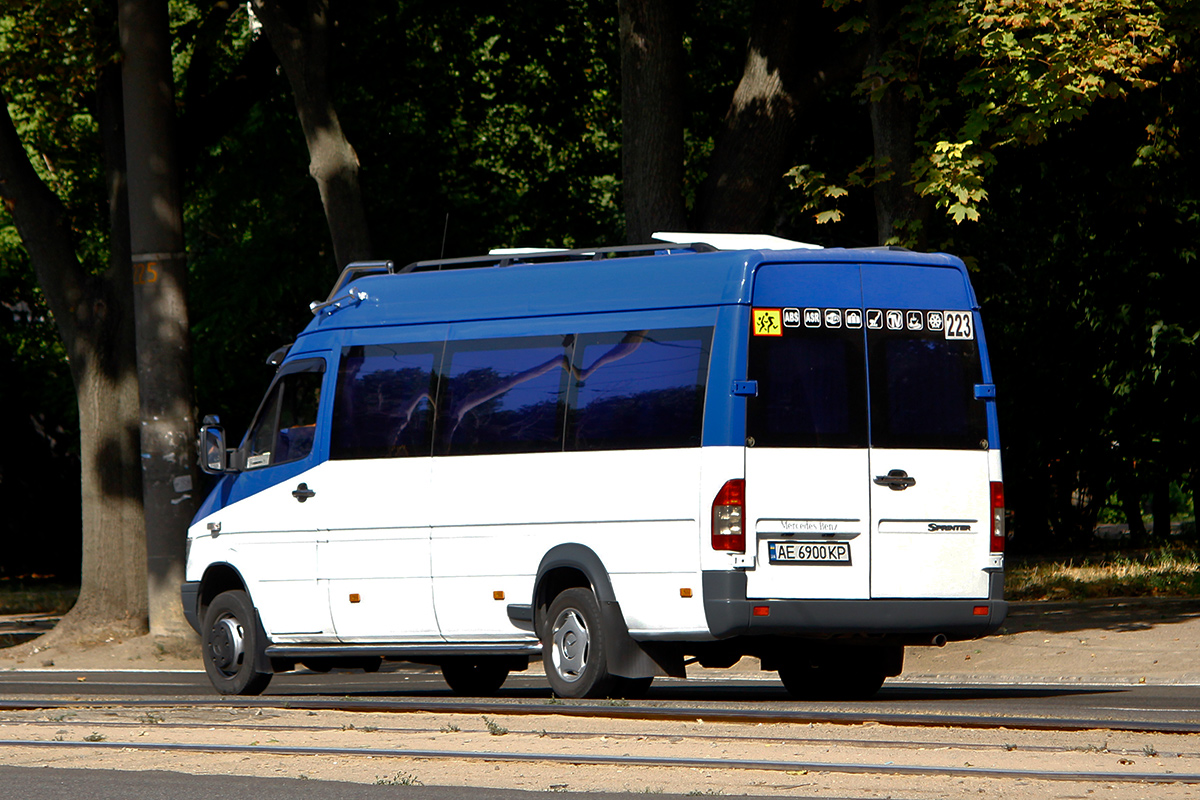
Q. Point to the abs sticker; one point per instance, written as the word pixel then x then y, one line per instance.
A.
pixel 791 318
pixel 768 322
pixel 959 325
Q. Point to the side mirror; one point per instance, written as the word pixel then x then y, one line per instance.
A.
pixel 212 446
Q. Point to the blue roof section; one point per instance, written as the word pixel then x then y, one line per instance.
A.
pixel 636 283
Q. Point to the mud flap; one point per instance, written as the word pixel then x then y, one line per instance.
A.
pixel 627 658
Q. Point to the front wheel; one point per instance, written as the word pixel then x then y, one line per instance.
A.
pixel 574 649
pixel 231 645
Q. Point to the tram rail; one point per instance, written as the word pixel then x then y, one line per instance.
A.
pixel 631 712
pixel 635 761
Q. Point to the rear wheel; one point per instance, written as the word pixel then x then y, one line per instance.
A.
pixel 574 649
pixel 482 678
pixel 830 684
pixel 231 645
pixel 846 673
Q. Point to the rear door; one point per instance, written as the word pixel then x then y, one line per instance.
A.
pixel 929 448
pixel 807 490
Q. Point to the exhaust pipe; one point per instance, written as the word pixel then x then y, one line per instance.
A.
pixel 939 640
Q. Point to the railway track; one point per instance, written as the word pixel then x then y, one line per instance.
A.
pixel 592 739
pixel 624 710
pixel 890 768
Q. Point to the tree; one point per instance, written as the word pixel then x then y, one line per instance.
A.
pixel 652 117
pixel 159 264
pixel 788 60
pixel 299 31
pixel 92 308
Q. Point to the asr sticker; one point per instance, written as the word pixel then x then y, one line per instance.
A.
pixel 768 322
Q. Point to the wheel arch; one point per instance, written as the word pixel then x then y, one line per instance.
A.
pixel 572 565
pixel 566 566
pixel 219 577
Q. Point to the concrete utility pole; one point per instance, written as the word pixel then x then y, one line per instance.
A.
pixel 160 306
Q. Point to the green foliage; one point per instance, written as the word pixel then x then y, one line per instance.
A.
pixel 988 75
pixel 1063 134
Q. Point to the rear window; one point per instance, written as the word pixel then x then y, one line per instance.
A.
pixel 811 389
pixel 923 391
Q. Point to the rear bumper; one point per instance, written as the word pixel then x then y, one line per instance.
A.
pixel 730 613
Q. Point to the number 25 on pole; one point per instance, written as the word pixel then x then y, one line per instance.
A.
pixel 145 272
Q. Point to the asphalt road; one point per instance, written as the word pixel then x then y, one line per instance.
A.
pixel 1152 703
pixel 24 783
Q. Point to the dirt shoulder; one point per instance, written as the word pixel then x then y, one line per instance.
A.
pixel 1121 641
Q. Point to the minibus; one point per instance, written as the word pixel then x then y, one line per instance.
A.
pixel 620 461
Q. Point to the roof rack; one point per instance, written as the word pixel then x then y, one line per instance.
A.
pixel 509 257
pixel 667 242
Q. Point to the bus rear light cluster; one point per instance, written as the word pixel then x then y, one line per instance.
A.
pixel 728 514
pixel 997 517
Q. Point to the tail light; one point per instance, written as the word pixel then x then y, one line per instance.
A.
pixel 997 517
pixel 728 513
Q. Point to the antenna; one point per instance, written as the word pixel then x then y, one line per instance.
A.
pixel 445 228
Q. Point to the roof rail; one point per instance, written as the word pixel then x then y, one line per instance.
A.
pixel 509 257
pixel 357 269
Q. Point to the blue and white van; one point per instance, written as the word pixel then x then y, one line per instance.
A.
pixel 616 459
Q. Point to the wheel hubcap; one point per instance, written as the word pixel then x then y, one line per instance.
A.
pixel 227 647
pixel 570 646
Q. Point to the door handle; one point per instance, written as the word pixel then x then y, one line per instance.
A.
pixel 897 480
pixel 302 492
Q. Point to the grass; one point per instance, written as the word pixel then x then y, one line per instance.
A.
pixel 494 728
pixel 399 779
pixel 36 596
pixel 1171 571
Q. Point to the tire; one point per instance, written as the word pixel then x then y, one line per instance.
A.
pixel 481 678
pixel 574 648
pixel 833 679
pixel 231 645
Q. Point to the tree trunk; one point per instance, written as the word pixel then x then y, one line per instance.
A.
pixel 94 317
pixel 299 33
pixel 652 117
pixel 159 269
pixel 751 152
pixel 899 211
pixel 1160 508
pixel 1129 495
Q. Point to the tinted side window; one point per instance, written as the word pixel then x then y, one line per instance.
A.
pixel 922 391
pixel 503 396
pixel 811 389
pixel 383 405
pixel 638 389
pixel 287 422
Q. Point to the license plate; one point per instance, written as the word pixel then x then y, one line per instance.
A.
pixel 808 552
